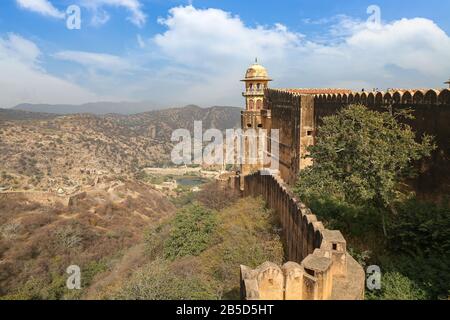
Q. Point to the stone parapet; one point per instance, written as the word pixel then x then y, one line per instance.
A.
pixel 320 267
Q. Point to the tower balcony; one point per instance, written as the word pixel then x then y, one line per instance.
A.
pixel 253 93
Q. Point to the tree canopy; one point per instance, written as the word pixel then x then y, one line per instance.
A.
pixel 362 156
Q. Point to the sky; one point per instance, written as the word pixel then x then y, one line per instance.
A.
pixel 174 52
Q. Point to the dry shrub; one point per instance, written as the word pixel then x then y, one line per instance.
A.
pixel 217 197
pixel 10 231
pixel 69 237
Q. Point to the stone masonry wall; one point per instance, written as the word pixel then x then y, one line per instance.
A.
pixel 319 266
pixel 293 116
pixel 431 109
pixel 297 118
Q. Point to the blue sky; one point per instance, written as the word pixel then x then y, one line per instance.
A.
pixel 174 52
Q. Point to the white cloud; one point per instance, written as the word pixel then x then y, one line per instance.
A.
pixel 135 7
pixel 99 17
pixel 203 54
pixel 216 47
pixel 43 7
pixel 96 61
pixel 22 49
pixel 23 79
pixel 194 35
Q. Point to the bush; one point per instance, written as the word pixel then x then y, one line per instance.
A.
pixel 430 273
pixel 69 237
pixel 157 281
pixel 395 286
pixel 190 263
pixel 216 197
pixel 154 239
pixel 10 231
pixel 191 233
pixel 420 228
pixel 246 235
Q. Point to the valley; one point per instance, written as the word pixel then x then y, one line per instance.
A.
pixel 85 189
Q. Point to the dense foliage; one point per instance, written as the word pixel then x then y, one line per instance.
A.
pixel 361 159
pixel 362 156
pixel 191 232
pixel 189 259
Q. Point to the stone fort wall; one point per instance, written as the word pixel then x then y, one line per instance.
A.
pixel 298 117
pixel 319 266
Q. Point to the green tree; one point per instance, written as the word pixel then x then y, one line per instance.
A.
pixel 362 157
pixel 191 233
pixel 396 286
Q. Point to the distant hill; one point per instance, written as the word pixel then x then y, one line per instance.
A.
pixel 12 114
pixel 168 120
pixel 50 150
pixel 97 108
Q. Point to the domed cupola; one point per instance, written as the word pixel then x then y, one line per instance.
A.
pixel 256 81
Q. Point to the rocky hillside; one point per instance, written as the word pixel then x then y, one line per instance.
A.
pixel 41 235
pixel 163 122
pixel 53 152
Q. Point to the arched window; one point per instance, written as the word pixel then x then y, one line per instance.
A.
pixel 259 104
pixel 251 104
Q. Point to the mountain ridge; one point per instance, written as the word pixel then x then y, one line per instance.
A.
pixel 97 108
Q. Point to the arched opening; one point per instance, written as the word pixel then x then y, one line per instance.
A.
pixel 431 97
pixel 387 98
pixel 351 98
pixel 407 98
pixel 379 98
pixel 371 99
pixel 444 97
pixel 363 98
pixel 397 97
pixel 418 97
pixel 251 104
pixel 258 104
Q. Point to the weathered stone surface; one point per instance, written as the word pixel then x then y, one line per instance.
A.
pixel 327 271
pixel 320 267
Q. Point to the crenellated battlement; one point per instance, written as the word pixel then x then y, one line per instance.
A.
pixel 400 96
pixel 297 114
pixel 319 266
pixel 407 97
